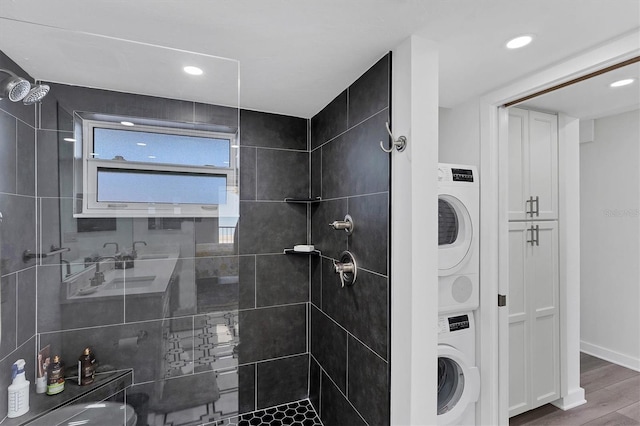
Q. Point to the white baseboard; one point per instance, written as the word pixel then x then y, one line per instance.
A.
pixel 609 355
pixel 572 400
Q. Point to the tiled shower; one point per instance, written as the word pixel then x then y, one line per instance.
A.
pixel 284 330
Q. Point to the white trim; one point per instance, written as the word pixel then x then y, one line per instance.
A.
pixel 571 400
pixel 610 355
pixel 493 272
pixel 414 223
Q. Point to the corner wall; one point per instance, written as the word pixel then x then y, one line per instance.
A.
pixel 349 371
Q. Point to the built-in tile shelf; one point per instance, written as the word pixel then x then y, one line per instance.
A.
pixel 104 386
pixel 302 200
pixel 307 253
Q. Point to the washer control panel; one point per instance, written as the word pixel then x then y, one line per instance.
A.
pixel 448 173
pixel 462 175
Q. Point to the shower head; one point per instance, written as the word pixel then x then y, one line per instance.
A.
pixel 36 94
pixel 13 87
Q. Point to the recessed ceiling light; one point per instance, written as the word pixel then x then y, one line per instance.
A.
pixel 621 83
pixel 69 140
pixel 126 123
pixel 193 70
pixel 519 42
pixel 141 144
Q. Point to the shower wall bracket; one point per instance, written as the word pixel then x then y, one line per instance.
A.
pixel 346 268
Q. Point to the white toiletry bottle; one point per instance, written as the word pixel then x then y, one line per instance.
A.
pixel 18 391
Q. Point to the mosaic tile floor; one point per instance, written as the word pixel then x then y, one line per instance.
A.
pixel 300 413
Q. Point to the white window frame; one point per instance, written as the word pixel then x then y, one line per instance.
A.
pixel 91 207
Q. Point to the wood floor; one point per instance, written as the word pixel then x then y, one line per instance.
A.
pixel 612 394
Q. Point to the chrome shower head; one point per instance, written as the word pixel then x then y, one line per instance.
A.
pixel 13 87
pixel 36 94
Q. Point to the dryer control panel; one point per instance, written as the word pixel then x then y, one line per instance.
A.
pixel 453 324
pixel 461 322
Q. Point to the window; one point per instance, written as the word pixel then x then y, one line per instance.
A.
pixel 153 168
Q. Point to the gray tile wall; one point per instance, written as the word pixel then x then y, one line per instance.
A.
pixel 274 287
pixel 331 344
pixel 17 233
pixel 272 294
pixel 349 370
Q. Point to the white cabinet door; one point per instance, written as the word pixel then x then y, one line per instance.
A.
pixel 543 164
pixel 533 165
pixel 519 353
pixel 534 351
pixel 518 163
pixel 543 274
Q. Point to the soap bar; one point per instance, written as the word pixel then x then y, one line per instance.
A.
pixel 303 248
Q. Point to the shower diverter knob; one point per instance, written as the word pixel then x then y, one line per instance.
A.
pixel 346 268
pixel 346 224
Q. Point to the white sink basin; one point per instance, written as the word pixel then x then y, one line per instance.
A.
pixel 130 282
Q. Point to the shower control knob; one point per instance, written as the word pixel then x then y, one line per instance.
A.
pixel 346 224
pixel 346 268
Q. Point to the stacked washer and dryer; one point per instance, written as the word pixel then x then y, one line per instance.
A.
pixel 459 293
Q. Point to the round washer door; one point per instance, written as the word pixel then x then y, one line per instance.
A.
pixel 458 384
pixel 455 234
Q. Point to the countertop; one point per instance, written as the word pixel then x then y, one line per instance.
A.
pixel 159 266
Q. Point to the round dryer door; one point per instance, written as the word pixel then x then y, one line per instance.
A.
pixel 458 385
pixel 454 234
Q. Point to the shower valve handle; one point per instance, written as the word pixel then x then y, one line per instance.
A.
pixel 346 268
pixel 346 224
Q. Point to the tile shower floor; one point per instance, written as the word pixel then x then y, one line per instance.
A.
pixel 300 413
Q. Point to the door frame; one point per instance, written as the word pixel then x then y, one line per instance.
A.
pixel 494 270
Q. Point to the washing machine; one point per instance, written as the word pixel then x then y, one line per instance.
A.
pixel 458 376
pixel 458 246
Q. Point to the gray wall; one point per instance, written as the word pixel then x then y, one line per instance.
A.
pixel 349 371
pixel 273 291
pixel 300 334
pixel 18 233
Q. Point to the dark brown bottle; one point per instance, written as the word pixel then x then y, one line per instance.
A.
pixel 55 376
pixel 86 368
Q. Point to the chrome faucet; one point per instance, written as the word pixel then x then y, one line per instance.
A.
pixel 115 244
pixel 134 253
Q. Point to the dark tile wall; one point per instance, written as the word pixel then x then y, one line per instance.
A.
pixel 17 233
pixel 270 297
pixel 329 344
pixel 349 371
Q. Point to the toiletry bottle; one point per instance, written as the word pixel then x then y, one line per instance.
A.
pixel 55 376
pixel 18 391
pixel 86 368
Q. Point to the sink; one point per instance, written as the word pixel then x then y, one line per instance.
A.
pixel 130 282
pixel 153 256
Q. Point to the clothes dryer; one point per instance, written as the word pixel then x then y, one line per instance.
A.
pixel 458 376
pixel 458 245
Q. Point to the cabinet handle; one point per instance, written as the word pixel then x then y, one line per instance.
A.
pixel 529 210
pixel 537 234
pixel 531 241
pixel 537 211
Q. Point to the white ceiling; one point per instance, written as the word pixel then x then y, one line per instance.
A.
pixel 294 55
